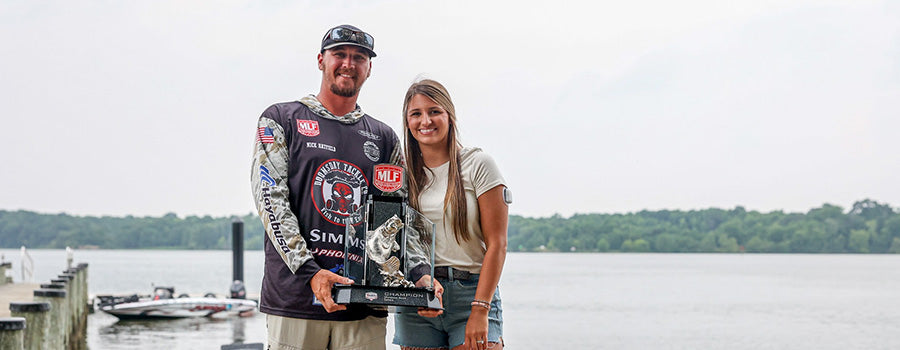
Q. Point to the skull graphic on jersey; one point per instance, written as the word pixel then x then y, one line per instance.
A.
pixel 341 198
pixel 339 189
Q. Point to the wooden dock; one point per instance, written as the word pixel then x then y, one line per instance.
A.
pixel 45 316
pixel 11 292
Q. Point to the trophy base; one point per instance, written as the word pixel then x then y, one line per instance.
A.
pixel 392 298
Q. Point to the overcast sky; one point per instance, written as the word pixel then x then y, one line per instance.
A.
pixel 149 107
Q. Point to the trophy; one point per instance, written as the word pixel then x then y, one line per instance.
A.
pixel 388 246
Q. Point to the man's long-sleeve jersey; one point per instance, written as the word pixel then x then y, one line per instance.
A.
pixel 310 170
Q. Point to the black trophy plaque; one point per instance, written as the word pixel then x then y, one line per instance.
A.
pixel 389 244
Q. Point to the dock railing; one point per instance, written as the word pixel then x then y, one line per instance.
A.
pixel 69 257
pixel 27 266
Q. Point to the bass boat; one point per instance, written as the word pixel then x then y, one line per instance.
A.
pixel 163 304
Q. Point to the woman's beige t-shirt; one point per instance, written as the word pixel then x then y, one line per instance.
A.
pixel 479 174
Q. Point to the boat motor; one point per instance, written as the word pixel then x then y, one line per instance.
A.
pixel 238 291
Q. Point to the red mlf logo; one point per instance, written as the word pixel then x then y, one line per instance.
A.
pixel 308 127
pixel 388 178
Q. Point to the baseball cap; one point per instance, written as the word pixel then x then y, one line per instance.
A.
pixel 346 34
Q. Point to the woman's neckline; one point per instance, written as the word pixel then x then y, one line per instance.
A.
pixel 444 164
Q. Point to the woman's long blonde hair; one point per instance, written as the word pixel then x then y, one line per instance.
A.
pixel 455 199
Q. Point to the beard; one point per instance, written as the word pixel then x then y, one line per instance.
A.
pixel 345 92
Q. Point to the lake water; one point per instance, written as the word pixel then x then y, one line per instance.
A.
pixel 553 301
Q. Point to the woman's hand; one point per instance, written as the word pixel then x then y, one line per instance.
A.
pixel 423 282
pixel 477 329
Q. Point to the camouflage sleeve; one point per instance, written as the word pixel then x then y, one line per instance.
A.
pixel 397 152
pixel 268 179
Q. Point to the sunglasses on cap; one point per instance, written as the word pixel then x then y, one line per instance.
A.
pixel 346 35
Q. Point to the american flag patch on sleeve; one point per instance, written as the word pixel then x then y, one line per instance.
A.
pixel 264 135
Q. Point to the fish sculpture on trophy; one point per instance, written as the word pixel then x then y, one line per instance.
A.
pixel 388 246
pixel 380 244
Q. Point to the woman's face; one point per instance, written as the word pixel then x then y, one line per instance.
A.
pixel 428 122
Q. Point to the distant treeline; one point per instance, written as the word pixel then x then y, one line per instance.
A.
pixel 867 227
pixel 34 230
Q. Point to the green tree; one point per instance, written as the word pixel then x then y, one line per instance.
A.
pixel 859 241
pixel 640 245
pixel 602 245
pixel 667 243
pixel 895 246
pixel 627 246
pixel 758 245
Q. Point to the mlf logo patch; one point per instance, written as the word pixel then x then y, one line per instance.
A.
pixel 388 178
pixel 308 127
pixel 338 190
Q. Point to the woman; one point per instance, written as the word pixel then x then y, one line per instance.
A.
pixel 462 192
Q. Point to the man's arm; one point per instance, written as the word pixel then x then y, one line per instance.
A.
pixel 268 178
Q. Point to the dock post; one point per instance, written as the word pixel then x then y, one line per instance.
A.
pixel 77 305
pixel 70 305
pixel 237 250
pixel 84 291
pixel 4 266
pixel 37 318
pixel 53 286
pixel 237 290
pixel 56 331
pixel 12 333
pixel 78 339
pixel 64 309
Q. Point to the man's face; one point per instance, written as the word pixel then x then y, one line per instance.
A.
pixel 345 69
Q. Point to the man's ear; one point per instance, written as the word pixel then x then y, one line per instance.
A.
pixel 321 62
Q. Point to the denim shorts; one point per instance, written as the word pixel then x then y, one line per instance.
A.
pixel 449 329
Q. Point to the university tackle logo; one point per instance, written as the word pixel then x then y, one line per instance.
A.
pixel 308 127
pixel 338 190
pixel 372 151
pixel 388 178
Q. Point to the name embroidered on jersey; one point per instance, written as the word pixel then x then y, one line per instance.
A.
pixel 308 127
pixel 338 190
pixel 264 135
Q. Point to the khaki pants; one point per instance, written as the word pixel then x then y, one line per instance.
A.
pixel 286 333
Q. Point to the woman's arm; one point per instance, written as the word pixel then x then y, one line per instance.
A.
pixel 494 212
pixel 494 218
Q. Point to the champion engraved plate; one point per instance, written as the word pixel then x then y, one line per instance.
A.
pixel 390 247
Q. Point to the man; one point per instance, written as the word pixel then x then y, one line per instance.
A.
pixel 312 168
